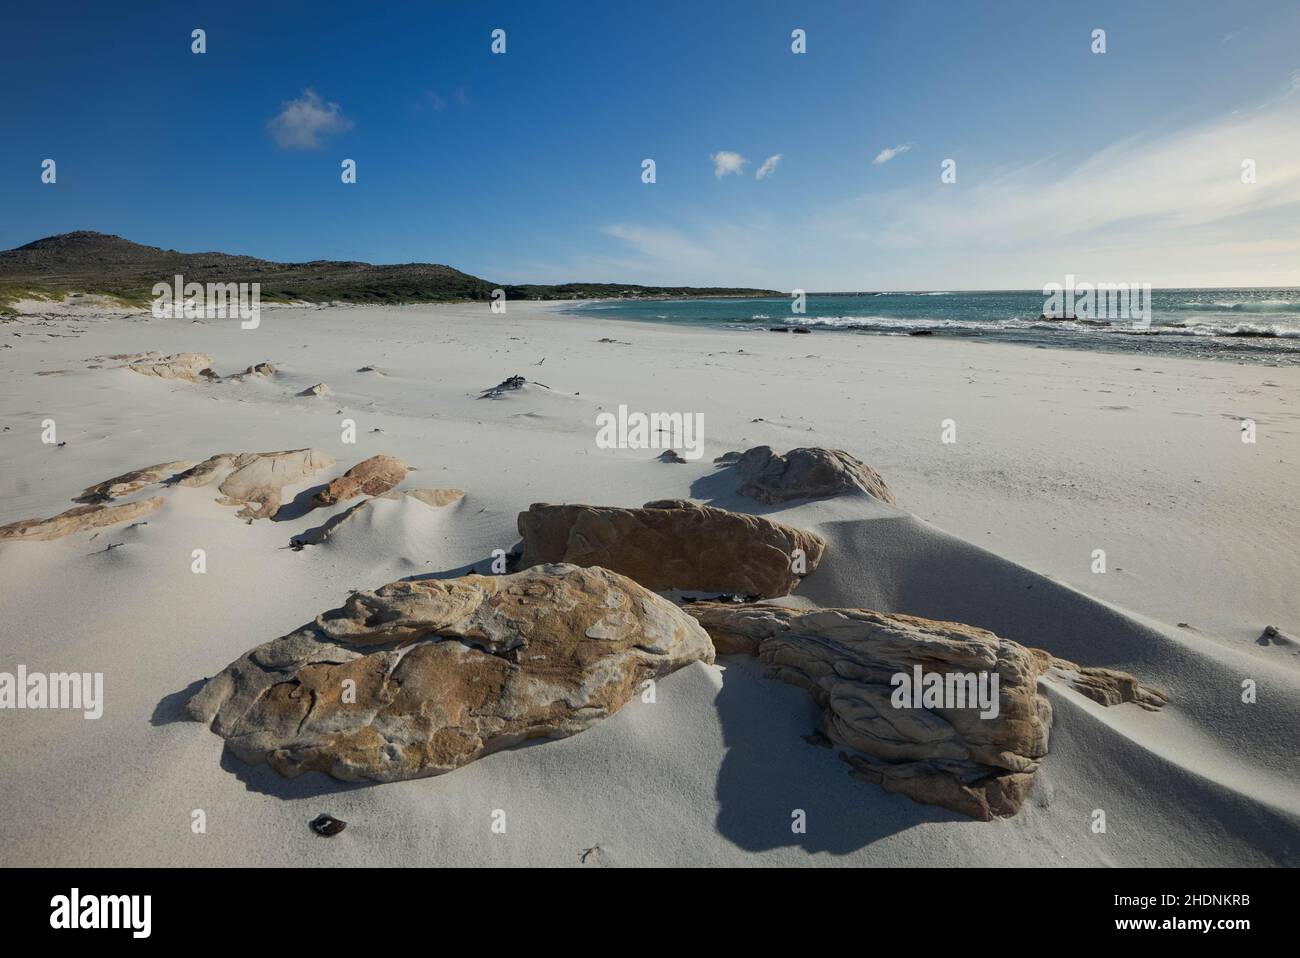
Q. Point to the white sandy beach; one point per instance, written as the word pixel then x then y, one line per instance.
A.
pixel 1058 453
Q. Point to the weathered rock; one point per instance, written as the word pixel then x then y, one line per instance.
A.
pixel 132 481
pixel 435 498
pixel 1272 635
pixel 320 389
pixel 327 826
pixel 811 473
pixel 1104 686
pixel 127 357
pixel 261 369
pixel 186 366
pixel 79 519
pixel 430 497
pixel 946 753
pixel 255 479
pixel 370 477
pixel 513 384
pixel 446 671
pixel 673 544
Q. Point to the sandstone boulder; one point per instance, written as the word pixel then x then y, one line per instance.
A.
pixel 320 389
pixel 811 473
pixel 261 369
pixel 949 753
pixel 370 477
pixel 673 544
pixel 446 671
pixel 79 519
pixel 255 479
pixel 186 366
pixel 132 481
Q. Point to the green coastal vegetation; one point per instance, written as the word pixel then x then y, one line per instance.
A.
pixel 101 264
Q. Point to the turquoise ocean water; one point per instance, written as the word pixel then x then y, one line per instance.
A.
pixel 1241 325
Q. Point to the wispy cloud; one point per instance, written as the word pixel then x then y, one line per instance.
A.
pixel 768 167
pixel 1167 205
pixel 302 122
pixel 434 101
pixel 660 245
pixel 885 155
pixel 703 254
pixel 725 161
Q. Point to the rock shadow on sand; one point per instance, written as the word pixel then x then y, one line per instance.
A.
pixel 769 772
pixel 300 505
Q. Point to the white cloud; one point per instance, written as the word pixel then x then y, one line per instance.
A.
pixel 660 245
pixel 885 155
pixel 302 122
pixel 768 167
pixel 725 161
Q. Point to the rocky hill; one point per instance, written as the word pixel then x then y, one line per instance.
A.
pixel 90 262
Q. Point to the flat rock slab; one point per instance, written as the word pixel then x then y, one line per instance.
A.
pixel 255 480
pixel 186 366
pixel 79 519
pixel 132 481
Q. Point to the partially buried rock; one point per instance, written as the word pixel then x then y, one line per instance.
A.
pixel 435 498
pixel 513 384
pixel 327 825
pixel 320 389
pixel 261 369
pixel 370 477
pixel 430 497
pixel 132 481
pixel 673 544
pixel 79 519
pixel 811 473
pixel 186 366
pixel 255 479
pixel 446 671
pixel 952 749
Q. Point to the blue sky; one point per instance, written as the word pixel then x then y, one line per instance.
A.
pixel 526 167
